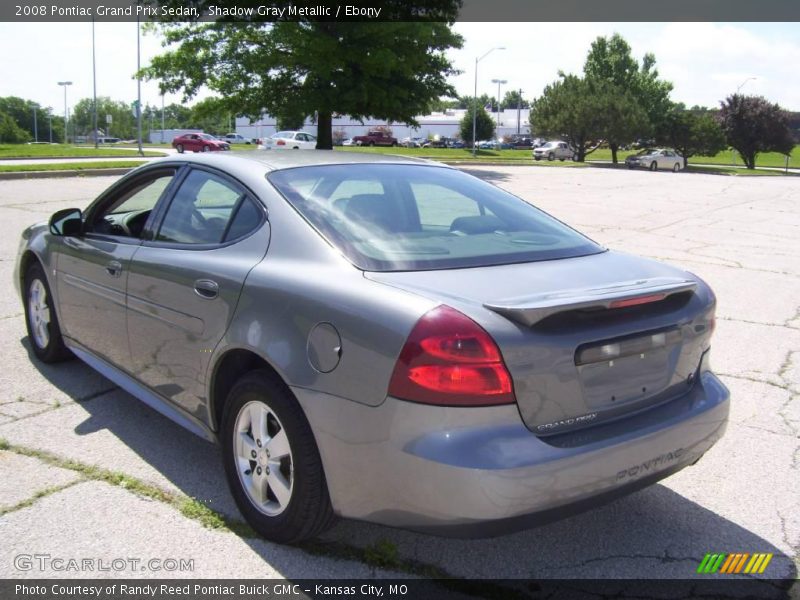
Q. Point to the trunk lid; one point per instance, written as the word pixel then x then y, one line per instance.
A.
pixel 585 339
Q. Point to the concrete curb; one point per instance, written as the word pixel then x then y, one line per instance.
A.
pixel 72 173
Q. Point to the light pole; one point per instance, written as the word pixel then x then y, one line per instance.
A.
pixel 50 122
pixel 94 88
pixel 499 82
pixel 741 85
pixel 64 84
pixel 162 118
pixel 138 88
pixel 35 125
pixel 475 97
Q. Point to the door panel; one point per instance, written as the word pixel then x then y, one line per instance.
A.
pixel 183 288
pixel 92 295
pixel 173 328
pixel 92 272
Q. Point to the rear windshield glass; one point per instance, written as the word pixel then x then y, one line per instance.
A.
pixel 419 217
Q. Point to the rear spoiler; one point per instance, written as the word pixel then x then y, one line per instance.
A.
pixel 529 310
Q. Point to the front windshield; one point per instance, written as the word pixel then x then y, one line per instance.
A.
pixel 389 217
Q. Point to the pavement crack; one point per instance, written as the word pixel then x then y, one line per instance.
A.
pixel 38 496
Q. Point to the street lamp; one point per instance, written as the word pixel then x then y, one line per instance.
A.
pixel 741 85
pixel 65 84
pixel 499 82
pixel 475 97
pixel 94 88
pixel 138 87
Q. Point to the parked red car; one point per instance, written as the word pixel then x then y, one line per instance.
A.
pixel 375 137
pixel 198 142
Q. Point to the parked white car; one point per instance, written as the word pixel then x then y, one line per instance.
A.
pixel 290 140
pixel 655 160
pixel 553 150
pixel 235 138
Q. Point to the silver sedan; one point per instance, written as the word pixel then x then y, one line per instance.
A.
pixel 380 339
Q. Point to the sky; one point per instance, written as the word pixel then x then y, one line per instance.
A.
pixel 705 61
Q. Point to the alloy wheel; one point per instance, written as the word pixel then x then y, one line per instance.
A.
pixel 263 458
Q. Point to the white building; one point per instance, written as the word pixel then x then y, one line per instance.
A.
pixel 436 124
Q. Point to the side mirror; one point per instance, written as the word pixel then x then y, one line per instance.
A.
pixel 67 222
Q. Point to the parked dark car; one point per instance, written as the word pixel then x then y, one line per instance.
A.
pixel 198 142
pixel 522 142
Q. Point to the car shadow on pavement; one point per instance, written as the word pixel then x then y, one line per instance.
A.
pixel 487 175
pixel 654 533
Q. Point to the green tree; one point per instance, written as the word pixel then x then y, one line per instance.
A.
pixel 123 123
pixel 10 132
pixel 484 125
pixel 21 112
pixel 623 118
pixel 212 115
pixel 483 100
pixel 571 108
pixel 753 124
pixel 691 132
pixel 390 70
pixel 513 98
pixel 610 60
pixel 444 104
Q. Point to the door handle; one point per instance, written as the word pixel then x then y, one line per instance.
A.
pixel 205 288
pixel 114 268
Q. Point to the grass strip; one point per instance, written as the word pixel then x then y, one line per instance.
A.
pixel 81 166
pixel 67 151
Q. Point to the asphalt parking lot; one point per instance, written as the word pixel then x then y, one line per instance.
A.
pixel 68 428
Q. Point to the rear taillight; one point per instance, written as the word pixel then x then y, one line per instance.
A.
pixel 448 359
pixel 280 143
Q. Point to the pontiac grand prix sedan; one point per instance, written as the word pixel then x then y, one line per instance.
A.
pixel 379 338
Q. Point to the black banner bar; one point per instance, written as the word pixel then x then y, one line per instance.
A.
pixel 376 11
pixel 394 589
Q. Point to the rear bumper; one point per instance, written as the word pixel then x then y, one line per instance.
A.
pixel 480 471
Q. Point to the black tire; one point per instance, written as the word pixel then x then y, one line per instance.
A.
pixel 676 168
pixel 631 167
pixel 537 158
pixel 308 511
pixel 206 148
pixel 53 350
pixel 179 148
pixel 551 156
pixel 371 144
pixel 654 166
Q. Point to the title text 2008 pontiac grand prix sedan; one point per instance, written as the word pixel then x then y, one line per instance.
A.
pixel 380 339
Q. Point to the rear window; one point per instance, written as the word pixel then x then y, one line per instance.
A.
pixel 420 217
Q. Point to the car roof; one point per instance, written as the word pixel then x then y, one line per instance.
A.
pixel 274 160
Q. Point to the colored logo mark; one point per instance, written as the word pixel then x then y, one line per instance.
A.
pixel 741 562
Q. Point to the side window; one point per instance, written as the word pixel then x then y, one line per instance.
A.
pixel 440 208
pixel 127 214
pixel 201 210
